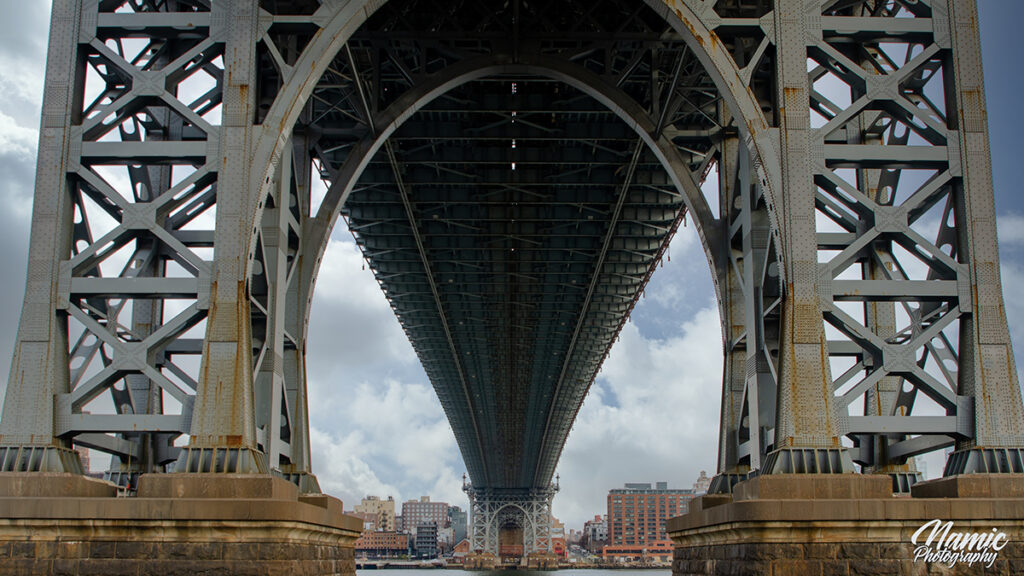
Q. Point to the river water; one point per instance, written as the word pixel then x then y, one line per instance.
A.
pixel 564 572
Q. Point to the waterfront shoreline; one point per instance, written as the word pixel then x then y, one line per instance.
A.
pixel 645 569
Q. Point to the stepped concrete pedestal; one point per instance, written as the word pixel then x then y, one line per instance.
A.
pixel 179 524
pixel 848 525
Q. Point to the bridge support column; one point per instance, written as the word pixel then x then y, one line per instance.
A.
pixel 527 513
pixel 178 524
pixel 800 524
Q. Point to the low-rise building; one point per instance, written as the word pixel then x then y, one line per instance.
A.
pixel 426 539
pixel 654 552
pixel 460 552
pixel 382 544
pixel 595 534
pixel 558 547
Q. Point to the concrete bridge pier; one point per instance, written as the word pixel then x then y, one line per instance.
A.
pixel 849 524
pixel 179 524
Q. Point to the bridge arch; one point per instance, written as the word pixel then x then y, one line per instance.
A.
pixel 686 18
pixel 408 104
pixel 683 15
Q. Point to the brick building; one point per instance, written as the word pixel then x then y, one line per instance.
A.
pixel 382 544
pixel 637 515
pixel 417 512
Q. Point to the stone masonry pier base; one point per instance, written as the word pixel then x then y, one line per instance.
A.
pixel 844 525
pixel 178 524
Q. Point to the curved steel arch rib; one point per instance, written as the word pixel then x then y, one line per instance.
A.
pixel 683 19
pixel 683 15
pixel 408 104
pixel 344 180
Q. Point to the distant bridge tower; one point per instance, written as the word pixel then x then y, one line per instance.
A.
pixel 526 512
pixel 514 172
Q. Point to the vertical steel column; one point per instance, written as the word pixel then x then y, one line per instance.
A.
pixel 272 268
pixel 39 369
pixel 749 388
pixel 733 319
pixel 125 172
pixel 299 469
pixel 806 435
pixel 223 434
pixel 987 369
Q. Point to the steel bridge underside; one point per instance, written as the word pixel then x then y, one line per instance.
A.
pixel 512 235
pixel 513 221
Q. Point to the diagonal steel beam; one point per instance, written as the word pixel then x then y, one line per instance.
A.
pixel 623 192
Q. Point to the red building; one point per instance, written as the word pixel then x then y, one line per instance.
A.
pixel 660 551
pixel 416 512
pixel 558 547
pixel 379 544
pixel 637 515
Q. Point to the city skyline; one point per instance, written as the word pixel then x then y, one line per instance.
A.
pixel 376 424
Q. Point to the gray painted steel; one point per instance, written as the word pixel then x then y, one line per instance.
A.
pixel 513 175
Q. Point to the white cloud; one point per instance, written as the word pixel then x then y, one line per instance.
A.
pixel 391 430
pixel 652 415
pixel 22 60
pixel 1010 227
pixel 1013 276
pixel 672 292
pixel 338 461
pixel 376 413
pixel 407 423
pixel 353 332
pixel 17 140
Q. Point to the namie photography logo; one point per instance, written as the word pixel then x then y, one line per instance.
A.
pixel 939 542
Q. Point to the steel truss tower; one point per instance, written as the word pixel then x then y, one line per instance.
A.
pixel 174 246
pixel 492 510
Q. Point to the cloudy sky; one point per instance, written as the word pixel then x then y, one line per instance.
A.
pixel 377 427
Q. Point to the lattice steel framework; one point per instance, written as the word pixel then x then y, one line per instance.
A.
pixel 490 512
pixel 513 174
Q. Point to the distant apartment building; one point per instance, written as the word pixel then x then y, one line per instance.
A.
pixel 416 512
pixel 458 519
pixel 383 510
pixel 637 515
pixel 426 539
pixel 595 534
pixel 382 544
